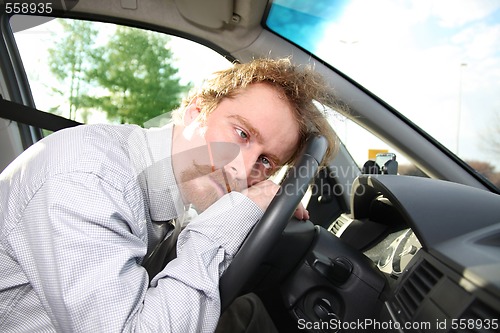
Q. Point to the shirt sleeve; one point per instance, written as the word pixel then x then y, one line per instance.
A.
pixel 205 248
pixel 81 246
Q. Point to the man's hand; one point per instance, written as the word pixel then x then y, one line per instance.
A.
pixel 263 192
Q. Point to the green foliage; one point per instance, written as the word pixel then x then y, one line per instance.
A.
pixel 132 76
pixel 69 60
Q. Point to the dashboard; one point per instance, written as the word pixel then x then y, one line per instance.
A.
pixel 411 251
pixel 395 245
pixel 437 243
pixel 399 253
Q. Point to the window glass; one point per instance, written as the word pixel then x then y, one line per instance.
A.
pixel 352 134
pixel 436 62
pixel 96 72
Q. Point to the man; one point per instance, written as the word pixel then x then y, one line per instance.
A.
pixel 88 214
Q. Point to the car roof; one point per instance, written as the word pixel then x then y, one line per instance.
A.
pixel 226 25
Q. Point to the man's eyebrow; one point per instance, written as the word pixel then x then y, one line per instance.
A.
pixel 257 135
pixel 255 132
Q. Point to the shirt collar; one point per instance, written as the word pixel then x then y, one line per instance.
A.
pixel 154 167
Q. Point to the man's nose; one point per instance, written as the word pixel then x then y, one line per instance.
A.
pixel 240 163
pixel 244 168
pixel 222 153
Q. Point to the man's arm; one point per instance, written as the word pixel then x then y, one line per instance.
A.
pixel 81 249
pixel 204 249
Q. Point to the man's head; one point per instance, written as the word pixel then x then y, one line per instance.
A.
pixel 299 85
pixel 264 111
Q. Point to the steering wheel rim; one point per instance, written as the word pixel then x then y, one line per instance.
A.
pixel 267 231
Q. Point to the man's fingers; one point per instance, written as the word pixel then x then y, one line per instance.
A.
pixel 301 213
pixel 262 194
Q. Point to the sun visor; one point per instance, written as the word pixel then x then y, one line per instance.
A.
pixel 212 14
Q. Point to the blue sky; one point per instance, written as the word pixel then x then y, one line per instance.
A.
pixel 435 61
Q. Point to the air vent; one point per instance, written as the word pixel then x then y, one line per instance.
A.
pixel 416 288
pixel 337 225
pixel 340 224
pixel 478 318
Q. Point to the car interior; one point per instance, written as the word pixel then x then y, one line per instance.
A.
pixel 381 250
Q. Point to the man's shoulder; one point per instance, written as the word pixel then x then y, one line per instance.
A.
pixel 104 150
pixel 95 134
pixel 98 149
pixel 88 143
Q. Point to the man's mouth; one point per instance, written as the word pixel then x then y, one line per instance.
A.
pixel 219 177
pixel 226 182
pixel 219 186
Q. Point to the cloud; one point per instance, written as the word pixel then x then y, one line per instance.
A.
pixel 456 13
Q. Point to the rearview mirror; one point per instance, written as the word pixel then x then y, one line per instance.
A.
pixel 385 164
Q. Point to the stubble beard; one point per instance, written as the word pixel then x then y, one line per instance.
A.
pixel 202 186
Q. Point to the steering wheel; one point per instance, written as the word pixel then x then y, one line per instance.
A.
pixel 267 231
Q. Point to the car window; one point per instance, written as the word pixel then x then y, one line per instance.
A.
pixel 436 62
pixel 364 146
pixel 95 72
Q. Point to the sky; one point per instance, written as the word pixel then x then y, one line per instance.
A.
pixel 437 62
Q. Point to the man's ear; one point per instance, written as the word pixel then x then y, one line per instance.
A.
pixel 192 111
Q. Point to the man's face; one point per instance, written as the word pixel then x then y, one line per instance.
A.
pixel 248 138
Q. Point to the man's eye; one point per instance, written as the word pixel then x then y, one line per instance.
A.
pixel 242 134
pixel 266 162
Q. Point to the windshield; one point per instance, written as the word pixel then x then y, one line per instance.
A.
pixel 436 62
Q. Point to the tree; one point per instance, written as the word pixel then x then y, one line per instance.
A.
pixel 491 136
pixel 135 69
pixel 487 170
pixel 131 77
pixel 70 58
